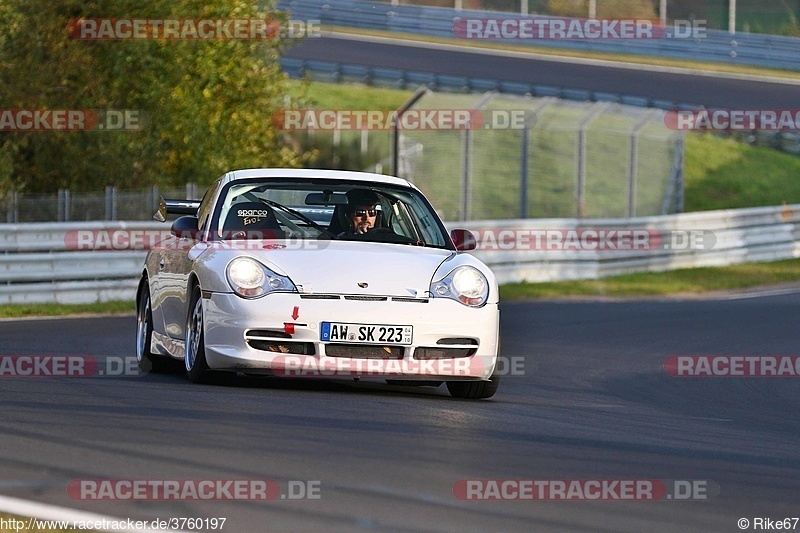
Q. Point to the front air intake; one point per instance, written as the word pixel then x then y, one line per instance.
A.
pixel 363 351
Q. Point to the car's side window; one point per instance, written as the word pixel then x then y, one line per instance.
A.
pixel 204 211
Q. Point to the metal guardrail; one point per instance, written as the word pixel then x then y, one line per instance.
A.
pixel 717 46
pixel 333 72
pixel 738 236
pixel 38 263
pixel 41 262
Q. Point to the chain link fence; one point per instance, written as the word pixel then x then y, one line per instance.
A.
pixel 365 150
pixel 529 158
pixel 68 206
pixel 544 158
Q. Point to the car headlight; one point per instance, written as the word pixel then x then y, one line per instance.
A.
pixel 250 279
pixel 465 284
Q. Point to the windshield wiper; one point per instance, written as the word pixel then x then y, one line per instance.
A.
pixel 299 215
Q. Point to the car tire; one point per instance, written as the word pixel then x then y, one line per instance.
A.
pixel 147 360
pixel 474 390
pixel 195 354
pixel 477 390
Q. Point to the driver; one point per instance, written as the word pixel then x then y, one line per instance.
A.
pixel 362 213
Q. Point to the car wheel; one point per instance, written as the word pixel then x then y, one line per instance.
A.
pixel 474 390
pixel 477 390
pixel 148 361
pixel 195 359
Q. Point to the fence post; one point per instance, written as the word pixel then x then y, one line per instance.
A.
pixel 364 141
pixel 681 164
pixel 523 174
pixel 396 132
pixel 337 142
pixel 12 212
pixel 67 206
pixel 633 162
pixel 466 173
pixel 524 171
pixel 153 198
pixel 466 161
pixel 673 196
pixel 63 205
pixel 108 208
pixel 111 203
pixel 580 170
pixel 191 190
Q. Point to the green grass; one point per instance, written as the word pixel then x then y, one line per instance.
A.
pixel 102 308
pixel 349 96
pixel 726 174
pixel 684 281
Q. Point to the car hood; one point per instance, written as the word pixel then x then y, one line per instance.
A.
pixel 346 267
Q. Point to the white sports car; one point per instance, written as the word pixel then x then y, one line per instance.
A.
pixel 318 273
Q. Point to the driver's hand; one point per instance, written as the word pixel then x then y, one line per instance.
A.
pixel 362 228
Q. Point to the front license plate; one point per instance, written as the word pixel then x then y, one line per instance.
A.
pixel 366 333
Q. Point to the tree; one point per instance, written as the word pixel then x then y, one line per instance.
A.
pixel 204 106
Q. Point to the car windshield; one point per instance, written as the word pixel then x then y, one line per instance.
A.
pixel 324 209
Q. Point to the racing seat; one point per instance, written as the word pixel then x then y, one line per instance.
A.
pixel 339 222
pixel 252 220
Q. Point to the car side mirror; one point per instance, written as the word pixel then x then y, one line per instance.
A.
pixel 161 214
pixel 464 240
pixel 185 227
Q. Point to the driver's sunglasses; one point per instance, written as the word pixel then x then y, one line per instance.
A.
pixel 365 212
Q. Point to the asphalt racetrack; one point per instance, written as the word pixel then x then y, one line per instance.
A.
pixel 593 403
pixel 711 91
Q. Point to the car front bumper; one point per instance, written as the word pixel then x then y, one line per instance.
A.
pixel 231 320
